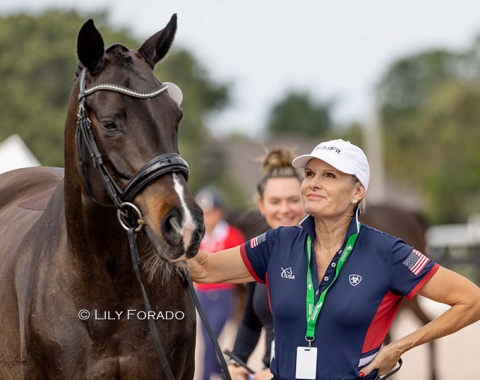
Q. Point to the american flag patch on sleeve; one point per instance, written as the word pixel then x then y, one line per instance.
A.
pixel 258 240
pixel 416 261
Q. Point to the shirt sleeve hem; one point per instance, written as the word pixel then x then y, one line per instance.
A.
pixel 424 280
pixel 246 261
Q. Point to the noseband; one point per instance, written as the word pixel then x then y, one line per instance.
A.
pixel 163 164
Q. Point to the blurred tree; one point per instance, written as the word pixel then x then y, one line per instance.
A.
pixel 202 96
pixel 352 132
pixel 451 159
pixel 37 68
pixel 298 113
pixel 408 82
pixel 427 107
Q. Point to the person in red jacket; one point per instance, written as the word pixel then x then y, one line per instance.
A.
pixel 217 300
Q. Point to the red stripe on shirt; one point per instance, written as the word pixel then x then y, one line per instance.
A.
pixel 246 261
pixel 386 312
pixel 424 280
pixel 268 293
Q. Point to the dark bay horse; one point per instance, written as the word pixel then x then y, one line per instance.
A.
pixel 71 305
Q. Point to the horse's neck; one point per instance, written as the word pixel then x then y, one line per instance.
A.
pixel 94 234
pixel 92 228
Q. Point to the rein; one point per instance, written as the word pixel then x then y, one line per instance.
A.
pixel 129 215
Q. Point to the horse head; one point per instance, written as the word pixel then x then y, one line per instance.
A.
pixel 126 142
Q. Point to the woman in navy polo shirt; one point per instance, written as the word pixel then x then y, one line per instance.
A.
pixel 335 285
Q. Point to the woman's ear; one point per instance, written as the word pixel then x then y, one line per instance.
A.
pixel 359 192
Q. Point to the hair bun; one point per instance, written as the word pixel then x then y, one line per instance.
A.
pixel 276 159
pixel 277 163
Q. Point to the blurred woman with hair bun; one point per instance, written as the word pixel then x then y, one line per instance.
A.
pixel 279 201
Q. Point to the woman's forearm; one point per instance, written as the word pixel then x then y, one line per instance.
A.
pixel 452 289
pixel 446 287
pixel 221 267
pixel 452 320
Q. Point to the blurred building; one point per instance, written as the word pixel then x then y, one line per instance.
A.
pixel 245 157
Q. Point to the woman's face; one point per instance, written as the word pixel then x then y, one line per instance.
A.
pixel 281 204
pixel 328 192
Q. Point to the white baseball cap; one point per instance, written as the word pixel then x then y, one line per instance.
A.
pixel 343 156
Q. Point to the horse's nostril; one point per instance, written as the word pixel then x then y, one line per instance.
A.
pixel 174 223
pixel 171 228
pixel 177 230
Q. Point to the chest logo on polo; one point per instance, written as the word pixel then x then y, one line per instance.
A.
pixel 354 279
pixel 288 273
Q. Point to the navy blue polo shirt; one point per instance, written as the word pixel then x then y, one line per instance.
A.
pixel 359 308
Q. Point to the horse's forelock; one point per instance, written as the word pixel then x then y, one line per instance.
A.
pixel 117 53
pixel 120 55
pixel 116 48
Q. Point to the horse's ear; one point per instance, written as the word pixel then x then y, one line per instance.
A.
pixel 90 46
pixel 158 45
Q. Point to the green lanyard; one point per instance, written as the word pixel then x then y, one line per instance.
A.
pixel 313 311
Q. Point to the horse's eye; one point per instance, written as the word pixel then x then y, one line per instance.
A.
pixel 108 124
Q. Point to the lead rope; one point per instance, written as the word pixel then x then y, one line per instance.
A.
pixel 126 220
pixel 132 240
pixel 211 334
pixel 391 373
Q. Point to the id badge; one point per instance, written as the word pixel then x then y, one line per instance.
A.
pixel 306 363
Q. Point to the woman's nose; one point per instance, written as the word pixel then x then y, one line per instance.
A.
pixel 316 182
pixel 283 207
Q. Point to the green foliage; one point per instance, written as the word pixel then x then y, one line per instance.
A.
pixel 201 96
pixel 298 113
pixel 409 82
pixel 451 123
pixel 429 107
pixel 37 69
pixel 353 133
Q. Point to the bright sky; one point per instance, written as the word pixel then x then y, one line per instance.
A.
pixel 334 49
